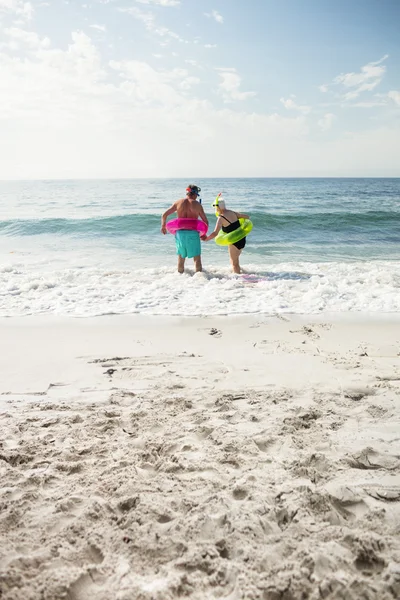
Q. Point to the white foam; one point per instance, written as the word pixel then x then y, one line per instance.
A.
pixel 303 288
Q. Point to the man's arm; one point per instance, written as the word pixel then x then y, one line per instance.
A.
pixel 203 216
pixel 170 211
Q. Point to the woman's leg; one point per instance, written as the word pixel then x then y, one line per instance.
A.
pixel 234 254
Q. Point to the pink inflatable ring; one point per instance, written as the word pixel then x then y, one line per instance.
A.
pixel 188 224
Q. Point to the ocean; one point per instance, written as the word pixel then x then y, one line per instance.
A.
pixel 88 248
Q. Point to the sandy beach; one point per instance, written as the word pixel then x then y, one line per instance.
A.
pixel 236 458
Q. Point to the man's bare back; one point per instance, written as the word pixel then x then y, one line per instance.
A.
pixel 188 209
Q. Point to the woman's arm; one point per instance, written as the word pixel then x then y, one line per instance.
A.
pixel 242 216
pixel 214 234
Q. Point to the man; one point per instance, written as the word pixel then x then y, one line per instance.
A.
pixel 187 242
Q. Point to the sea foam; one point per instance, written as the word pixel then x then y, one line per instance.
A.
pixel 303 288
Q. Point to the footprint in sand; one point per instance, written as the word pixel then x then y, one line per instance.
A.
pixel 308 331
pixel 383 493
pixel 87 586
pixel 357 394
pixel 366 549
pixel 109 362
pixel 371 459
pixel 240 493
pixel 264 444
pixel 304 420
pixel 215 332
pixel 347 501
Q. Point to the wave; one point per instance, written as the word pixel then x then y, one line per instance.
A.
pixel 118 225
pixel 137 223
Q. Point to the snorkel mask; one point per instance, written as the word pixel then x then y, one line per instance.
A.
pixel 216 202
pixel 194 189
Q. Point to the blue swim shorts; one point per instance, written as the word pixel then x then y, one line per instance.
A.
pixel 187 243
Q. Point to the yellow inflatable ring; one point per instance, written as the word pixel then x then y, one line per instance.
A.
pixel 227 239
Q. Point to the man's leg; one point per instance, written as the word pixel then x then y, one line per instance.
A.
pixel 195 250
pixel 234 254
pixel 180 250
pixel 197 264
pixel 181 264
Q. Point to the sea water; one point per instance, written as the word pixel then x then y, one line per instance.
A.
pixel 87 248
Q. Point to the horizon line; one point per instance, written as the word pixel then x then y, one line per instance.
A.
pixel 42 179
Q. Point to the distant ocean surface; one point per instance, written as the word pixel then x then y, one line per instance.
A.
pixel 88 248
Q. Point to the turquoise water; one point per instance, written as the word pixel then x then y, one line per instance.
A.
pixel 94 247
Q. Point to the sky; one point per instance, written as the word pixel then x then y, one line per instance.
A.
pixel 199 88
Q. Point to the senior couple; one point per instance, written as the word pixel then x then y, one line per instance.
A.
pixel 188 242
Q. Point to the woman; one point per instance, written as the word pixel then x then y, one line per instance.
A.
pixel 228 221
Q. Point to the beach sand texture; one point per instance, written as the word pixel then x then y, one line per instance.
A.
pixel 207 458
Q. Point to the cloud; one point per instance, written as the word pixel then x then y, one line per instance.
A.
pixel 160 2
pixel 230 84
pixel 17 7
pixel 48 81
pixel 98 27
pixel 326 122
pixel 365 80
pixel 216 16
pixel 146 18
pixel 150 87
pixel 29 39
pixel 210 45
pixel 395 96
pixel 150 24
pixel 125 118
pixel 290 104
pixel 189 82
pixel 104 118
pixel 371 104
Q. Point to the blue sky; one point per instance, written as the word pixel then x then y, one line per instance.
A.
pixel 169 88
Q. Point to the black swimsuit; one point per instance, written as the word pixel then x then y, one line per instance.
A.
pixel 232 227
